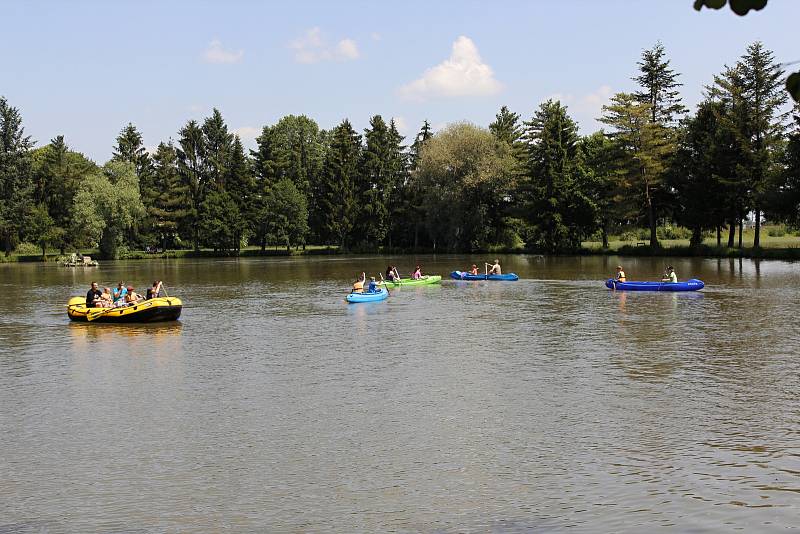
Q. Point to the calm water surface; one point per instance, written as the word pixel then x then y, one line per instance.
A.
pixel 546 404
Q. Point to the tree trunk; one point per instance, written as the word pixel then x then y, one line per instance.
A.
pixel 651 215
pixel 719 235
pixel 605 235
pixel 697 237
pixel 757 236
pixel 732 233
pixel 741 230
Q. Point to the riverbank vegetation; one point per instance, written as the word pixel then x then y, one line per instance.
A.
pixel 693 180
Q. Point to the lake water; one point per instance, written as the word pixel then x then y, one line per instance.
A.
pixel 546 404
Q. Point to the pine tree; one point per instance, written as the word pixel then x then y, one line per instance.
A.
pixel 167 201
pixel 218 144
pixel 641 146
pixel 192 169
pixel 659 85
pixel 337 201
pixel 603 182
pixel 376 177
pixel 555 203
pixel 16 183
pixel 240 184
pixel 416 147
pixel 765 96
pixel 130 148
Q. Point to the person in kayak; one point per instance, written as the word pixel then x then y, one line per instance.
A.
pixel 495 268
pixel 373 285
pixel 670 276
pixel 474 269
pixel 391 274
pixel 93 297
pixel 620 277
pixel 417 273
pixel 358 285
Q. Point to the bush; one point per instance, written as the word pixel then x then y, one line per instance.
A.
pixel 28 249
pixel 673 232
pixel 777 231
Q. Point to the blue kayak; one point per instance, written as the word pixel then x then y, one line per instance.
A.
pixel 462 275
pixel 689 285
pixel 368 296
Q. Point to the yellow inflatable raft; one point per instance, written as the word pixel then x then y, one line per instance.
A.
pixel 147 311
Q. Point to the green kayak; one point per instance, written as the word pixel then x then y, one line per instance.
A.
pixel 425 280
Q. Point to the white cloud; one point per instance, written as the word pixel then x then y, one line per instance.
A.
pixel 215 53
pixel 247 133
pixel 313 47
pixel 376 36
pixel 588 103
pixel 463 74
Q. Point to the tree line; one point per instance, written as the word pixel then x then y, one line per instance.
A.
pixel 535 183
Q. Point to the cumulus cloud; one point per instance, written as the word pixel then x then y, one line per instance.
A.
pixel 463 74
pixel 313 47
pixel 215 53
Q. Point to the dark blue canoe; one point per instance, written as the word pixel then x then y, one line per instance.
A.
pixel 461 275
pixel 689 285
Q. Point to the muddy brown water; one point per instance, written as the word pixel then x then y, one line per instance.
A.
pixel 546 404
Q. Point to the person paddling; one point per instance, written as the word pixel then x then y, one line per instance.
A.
pixel 358 285
pixel 417 273
pixel 391 274
pixel 620 277
pixel 373 285
pixel 495 268
pixel 670 276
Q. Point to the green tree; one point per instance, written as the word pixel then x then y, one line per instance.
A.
pixel 240 184
pixel 464 175
pixel 218 146
pixel 697 174
pixel 107 204
pixel 642 147
pixel 57 172
pixel 16 183
pixel 785 201
pixel 336 200
pixel 42 230
pixel 285 215
pixel 221 225
pixel 554 192
pixel 130 148
pixel 602 178
pixel 192 169
pixel 765 98
pixel 424 134
pixel 167 200
pixel 659 87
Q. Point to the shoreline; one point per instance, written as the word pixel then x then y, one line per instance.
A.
pixel 702 251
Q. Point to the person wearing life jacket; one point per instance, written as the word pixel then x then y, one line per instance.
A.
pixel 358 285
pixel 670 276
pixel 620 277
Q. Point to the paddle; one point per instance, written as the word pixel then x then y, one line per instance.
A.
pixel 383 283
pixel 93 314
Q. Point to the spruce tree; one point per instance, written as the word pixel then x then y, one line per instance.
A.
pixel 765 97
pixel 192 169
pixel 167 201
pixel 375 181
pixel 416 147
pixel 16 182
pixel 130 148
pixel 240 184
pixel 555 203
pixel 659 87
pixel 218 144
pixel 337 199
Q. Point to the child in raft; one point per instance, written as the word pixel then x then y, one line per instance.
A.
pixel 620 277
pixel 474 269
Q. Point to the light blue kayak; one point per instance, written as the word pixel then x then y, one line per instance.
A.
pixel 368 296
pixel 462 275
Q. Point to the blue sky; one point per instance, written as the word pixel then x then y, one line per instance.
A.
pixel 84 69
